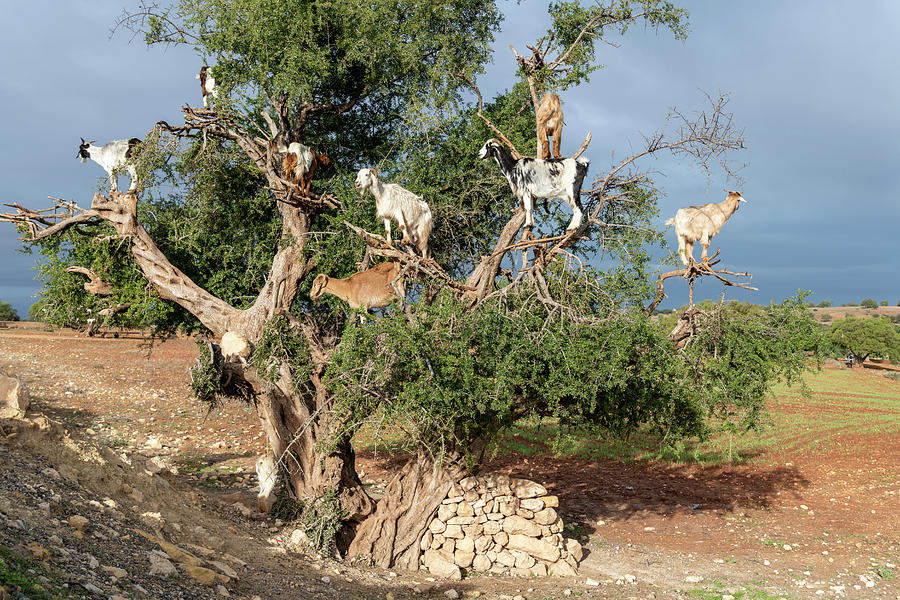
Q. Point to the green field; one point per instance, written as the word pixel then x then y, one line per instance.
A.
pixel 840 403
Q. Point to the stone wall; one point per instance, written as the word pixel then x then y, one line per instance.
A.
pixel 499 525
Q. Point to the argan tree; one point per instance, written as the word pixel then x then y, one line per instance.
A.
pixel 493 329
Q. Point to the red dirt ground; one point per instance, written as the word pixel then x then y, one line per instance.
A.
pixel 787 524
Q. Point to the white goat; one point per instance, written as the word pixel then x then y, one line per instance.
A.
pixel 372 288
pixel 207 85
pixel 267 474
pixel 112 156
pixel 235 346
pixel 701 223
pixel 393 202
pixel 531 178
pixel 297 161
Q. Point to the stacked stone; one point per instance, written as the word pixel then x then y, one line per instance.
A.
pixel 500 525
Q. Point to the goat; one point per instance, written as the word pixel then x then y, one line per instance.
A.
pixel 207 85
pixel 550 122
pixel 112 156
pixel 393 202
pixel 372 288
pixel 267 474
pixel 235 346
pixel 701 223
pixel 300 172
pixel 531 178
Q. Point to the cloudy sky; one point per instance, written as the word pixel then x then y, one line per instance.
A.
pixel 814 84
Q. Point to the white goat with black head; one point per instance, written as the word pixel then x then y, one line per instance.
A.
pixel 207 85
pixel 531 178
pixel 701 223
pixel 393 202
pixel 112 156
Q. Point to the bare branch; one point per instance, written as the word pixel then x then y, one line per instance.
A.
pixel 515 153
pixel 96 285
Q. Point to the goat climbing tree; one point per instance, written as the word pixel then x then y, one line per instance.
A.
pixel 494 329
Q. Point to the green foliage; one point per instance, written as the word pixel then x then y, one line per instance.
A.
pixel 280 345
pixel 865 337
pixel 869 303
pixel 19 578
pixel 7 312
pixel 210 384
pixel 824 304
pixel 321 519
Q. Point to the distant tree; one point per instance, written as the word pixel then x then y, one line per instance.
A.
pixel 7 312
pixel 884 303
pixel 824 304
pixel 865 337
pixel 869 303
pixel 849 304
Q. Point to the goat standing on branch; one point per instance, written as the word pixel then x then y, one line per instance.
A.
pixel 550 122
pixel 393 202
pixel 373 288
pixel 701 223
pixel 207 85
pixel 531 178
pixel 112 156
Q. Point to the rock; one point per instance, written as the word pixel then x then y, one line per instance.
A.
pixel 425 542
pixel 482 544
pixel 224 569
pixel 591 582
pixel 561 569
pixel 481 563
pixel 51 473
pixel 437 526
pixel 630 578
pixel 693 579
pixel 466 545
pixel 468 483
pixel 523 488
pixel 299 537
pixel 116 572
pixel 204 575
pixel 461 520
pixel 153 443
pixel 449 546
pixel 160 566
pixel 464 509
pixel 506 559
pixel 532 504
pixel 550 501
pixel 36 551
pixel 446 511
pixel 535 547
pixel 524 513
pixel 222 591
pixel 452 594
pixel 519 525
pixel 523 561
pixel 540 569
pixel 14 398
pixel 501 539
pixel 547 516
pixel 573 547
pixel 78 523
pixel 492 527
pixel 439 565
pixel 453 531
pixel 463 558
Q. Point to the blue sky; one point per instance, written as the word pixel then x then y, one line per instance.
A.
pixel 814 84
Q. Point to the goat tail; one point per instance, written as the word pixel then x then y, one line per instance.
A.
pixel 670 221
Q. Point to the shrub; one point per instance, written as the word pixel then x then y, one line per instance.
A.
pixel 884 303
pixel 869 303
pixel 825 317
pixel 824 304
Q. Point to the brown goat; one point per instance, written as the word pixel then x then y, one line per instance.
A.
pixel 372 288
pixel 550 122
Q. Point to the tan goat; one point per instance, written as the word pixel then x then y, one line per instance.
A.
pixel 701 223
pixel 372 288
pixel 550 122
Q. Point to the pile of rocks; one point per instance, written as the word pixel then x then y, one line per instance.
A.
pixel 498 525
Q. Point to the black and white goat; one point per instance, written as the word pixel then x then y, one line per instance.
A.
pixel 531 178
pixel 393 202
pixel 207 85
pixel 112 156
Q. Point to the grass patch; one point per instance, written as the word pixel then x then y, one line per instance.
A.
pixel 21 574
pixel 715 589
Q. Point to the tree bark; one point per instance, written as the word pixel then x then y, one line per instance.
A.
pixel 390 536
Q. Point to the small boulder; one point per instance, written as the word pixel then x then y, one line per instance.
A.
pixel 14 398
